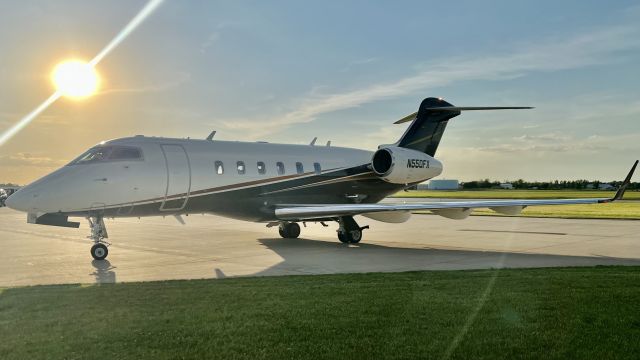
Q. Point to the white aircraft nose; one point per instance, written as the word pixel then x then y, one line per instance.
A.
pixel 18 201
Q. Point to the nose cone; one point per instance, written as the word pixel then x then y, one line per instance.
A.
pixel 43 195
pixel 16 202
pixel 20 200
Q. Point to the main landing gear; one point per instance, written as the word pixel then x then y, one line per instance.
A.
pixel 349 231
pixel 289 230
pixel 99 250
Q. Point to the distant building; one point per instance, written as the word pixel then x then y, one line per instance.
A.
pixel 9 189
pixel 443 185
pixel 506 186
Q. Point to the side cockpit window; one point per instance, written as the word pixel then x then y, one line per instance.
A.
pixel 96 154
pixel 125 153
pixel 108 153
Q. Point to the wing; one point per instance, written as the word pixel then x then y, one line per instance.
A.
pixel 453 209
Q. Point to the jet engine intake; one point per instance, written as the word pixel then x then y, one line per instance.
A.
pixel 403 166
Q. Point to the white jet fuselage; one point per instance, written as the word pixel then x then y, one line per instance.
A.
pixel 274 183
pixel 237 179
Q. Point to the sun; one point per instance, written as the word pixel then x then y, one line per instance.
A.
pixel 75 79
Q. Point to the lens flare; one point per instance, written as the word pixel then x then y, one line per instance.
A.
pixel 75 79
pixel 78 83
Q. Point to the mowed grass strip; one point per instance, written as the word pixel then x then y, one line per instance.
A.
pixel 514 194
pixel 527 314
pixel 629 210
pixel 617 210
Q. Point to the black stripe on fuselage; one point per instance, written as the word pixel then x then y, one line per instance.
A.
pixel 256 200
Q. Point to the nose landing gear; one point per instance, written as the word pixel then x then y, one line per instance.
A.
pixel 99 250
pixel 349 231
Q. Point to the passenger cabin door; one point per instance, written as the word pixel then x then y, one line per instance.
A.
pixel 178 178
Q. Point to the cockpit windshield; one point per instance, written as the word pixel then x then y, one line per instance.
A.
pixel 108 153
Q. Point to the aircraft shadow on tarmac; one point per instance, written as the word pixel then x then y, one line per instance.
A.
pixel 308 256
pixel 305 256
pixel 104 272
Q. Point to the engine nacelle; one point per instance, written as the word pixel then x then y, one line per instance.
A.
pixel 403 166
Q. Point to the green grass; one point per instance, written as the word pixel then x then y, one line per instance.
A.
pixel 589 313
pixel 617 210
pixel 515 194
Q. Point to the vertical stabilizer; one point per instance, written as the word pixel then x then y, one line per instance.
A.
pixel 426 130
pixel 429 122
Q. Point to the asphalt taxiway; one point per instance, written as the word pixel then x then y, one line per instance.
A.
pixel 215 247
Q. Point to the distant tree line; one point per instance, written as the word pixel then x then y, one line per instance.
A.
pixel 544 185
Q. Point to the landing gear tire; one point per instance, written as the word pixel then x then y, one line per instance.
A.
pixel 289 230
pixel 294 230
pixel 355 236
pixel 350 237
pixel 99 251
pixel 349 231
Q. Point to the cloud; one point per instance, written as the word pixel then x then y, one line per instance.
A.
pixel 211 40
pixel 359 62
pixel 26 159
pixel 547 148
pixel 215 36
pixel 565 144
pixel 180 79
pixel 6 119
pixel 586 49
pixel 543 137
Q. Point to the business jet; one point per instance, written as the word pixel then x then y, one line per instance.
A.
pixel 277 184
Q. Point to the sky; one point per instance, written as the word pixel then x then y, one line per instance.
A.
pixel 288 71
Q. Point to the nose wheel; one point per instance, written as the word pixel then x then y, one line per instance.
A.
pixel 99 250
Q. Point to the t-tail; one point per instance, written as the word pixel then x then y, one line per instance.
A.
pixel 429 122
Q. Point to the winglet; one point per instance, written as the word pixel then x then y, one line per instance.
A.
pixel 625 183
pixel 211 135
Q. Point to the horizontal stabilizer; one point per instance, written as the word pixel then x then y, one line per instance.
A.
pixel 412 117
